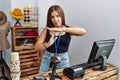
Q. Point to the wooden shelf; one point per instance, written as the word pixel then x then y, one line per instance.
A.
pixel 110 74
pixel 19 48
pixel 29 57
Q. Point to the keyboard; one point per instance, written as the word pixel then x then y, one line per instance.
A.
pixel 83 65
pixel 86 65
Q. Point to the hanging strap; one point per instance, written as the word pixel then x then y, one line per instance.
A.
pixel 57 42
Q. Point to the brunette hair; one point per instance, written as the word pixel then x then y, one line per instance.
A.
pixel 59 10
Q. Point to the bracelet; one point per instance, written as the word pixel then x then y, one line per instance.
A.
pixel 44 45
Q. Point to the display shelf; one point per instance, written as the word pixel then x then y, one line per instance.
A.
pixel 23 40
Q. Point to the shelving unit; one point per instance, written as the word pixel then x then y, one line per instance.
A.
pixel 22 43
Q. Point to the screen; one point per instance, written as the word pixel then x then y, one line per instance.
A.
pixel 101 48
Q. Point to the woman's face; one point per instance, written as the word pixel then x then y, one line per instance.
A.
pixel 56 19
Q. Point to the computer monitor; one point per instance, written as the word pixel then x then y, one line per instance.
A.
pixel 100 52
pixel 101 49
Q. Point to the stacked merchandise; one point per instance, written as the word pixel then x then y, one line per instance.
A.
pixel 27 18
pixel 34 16
pixel 15 66
pixel 31 16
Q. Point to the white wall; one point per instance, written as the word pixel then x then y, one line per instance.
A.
pixel 101 19
pixel 6 8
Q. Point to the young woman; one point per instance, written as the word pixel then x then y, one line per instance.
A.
pixel 55 38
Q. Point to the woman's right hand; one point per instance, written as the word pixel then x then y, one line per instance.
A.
pixel 51 40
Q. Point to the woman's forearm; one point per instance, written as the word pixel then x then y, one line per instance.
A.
pixel 72 30
pixel 75 31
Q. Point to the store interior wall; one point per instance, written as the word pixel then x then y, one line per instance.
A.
pixel 5 6
pixel 100 18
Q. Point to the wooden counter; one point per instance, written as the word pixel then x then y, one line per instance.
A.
pixel 110 74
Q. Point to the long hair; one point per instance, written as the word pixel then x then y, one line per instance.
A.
pixel 59 10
